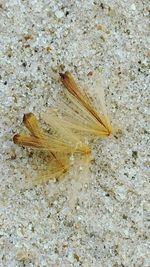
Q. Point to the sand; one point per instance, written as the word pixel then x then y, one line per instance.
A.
pixel 97 218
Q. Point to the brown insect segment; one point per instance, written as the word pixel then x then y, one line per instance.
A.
pixel 59 162
pixel 36 140
pixel 30 141
pixel 58 150
pixel 39 140
pixel 35 143
pixel 70 84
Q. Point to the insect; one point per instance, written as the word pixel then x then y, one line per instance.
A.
pixel 58 147
pixel 69 129
pixel 82 117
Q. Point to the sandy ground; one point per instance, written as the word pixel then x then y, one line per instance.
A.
pixel 97 220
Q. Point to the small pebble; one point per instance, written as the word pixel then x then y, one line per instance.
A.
pixel 133 7
pixel 59 14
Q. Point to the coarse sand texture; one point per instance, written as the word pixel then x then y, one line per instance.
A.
pixel 97 213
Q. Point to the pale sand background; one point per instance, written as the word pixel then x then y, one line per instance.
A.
pixel 108 226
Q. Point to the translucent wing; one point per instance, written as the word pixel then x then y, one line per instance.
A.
pixel 57 163
pixel 82 116
pixel 56 142
pixel 58 149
